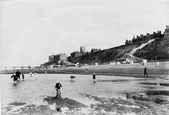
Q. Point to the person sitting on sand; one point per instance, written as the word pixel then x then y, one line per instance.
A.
pixel 58 93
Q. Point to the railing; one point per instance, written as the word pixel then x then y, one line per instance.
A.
pixel 18 68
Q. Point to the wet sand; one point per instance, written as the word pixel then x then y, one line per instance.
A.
pixel 153 101
pixel 65 102
pixel 149 96
pixel 103 106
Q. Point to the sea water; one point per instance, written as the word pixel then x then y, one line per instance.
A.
pixel 31 91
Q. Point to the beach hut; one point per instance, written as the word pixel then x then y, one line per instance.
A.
pixel 131 62
pixel 96 63
pixel 144 61
pixel 113 63
pixel 118 63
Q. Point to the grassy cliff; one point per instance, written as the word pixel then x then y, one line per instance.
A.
pixel 156 50
pixel 104 56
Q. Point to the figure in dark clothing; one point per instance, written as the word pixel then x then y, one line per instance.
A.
pixel 94 76
pixel 14 78
pixel 58 93
pixel 145 72
pixel 18 73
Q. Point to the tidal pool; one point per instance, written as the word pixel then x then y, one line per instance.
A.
pixel 112 95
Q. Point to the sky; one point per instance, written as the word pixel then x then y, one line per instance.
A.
pixel 31 30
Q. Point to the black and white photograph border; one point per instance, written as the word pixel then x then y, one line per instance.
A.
pixel 84 57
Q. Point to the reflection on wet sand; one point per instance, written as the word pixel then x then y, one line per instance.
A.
pixel 107 95
pixel 101 106
pixel 120 106
pixel 66 102
pixel 118 80
pixel 156 91
pixel 161 84
pixel 17 103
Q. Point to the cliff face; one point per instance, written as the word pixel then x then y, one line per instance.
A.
pixel 150 46
pixel 106 55
pixel 157 50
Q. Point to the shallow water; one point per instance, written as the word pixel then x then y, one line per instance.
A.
pixel 27 96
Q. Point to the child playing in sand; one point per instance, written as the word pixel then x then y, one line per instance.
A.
pixel 58 93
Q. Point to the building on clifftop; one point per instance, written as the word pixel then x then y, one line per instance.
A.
pixel 83 49
pixel 166 33
pixel 58 57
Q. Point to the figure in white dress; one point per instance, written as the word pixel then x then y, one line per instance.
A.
pixel 35 74
pixel 157 64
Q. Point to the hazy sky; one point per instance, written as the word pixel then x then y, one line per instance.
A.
pixel 31 30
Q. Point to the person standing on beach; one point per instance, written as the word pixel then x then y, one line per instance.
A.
pixel 94 77
pixel 58 93
pixel 145 72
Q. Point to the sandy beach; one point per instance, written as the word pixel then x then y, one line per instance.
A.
pixel 130 70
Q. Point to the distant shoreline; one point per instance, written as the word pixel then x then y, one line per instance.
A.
pixel 130 70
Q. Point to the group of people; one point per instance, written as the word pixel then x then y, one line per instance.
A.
pixel 17 75
pixel 58 86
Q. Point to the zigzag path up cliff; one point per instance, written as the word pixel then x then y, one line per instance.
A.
pixel 156 50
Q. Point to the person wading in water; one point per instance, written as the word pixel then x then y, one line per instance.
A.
pixel 58 93
pixel 23 77
pixel 14 78
pixel 18 73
